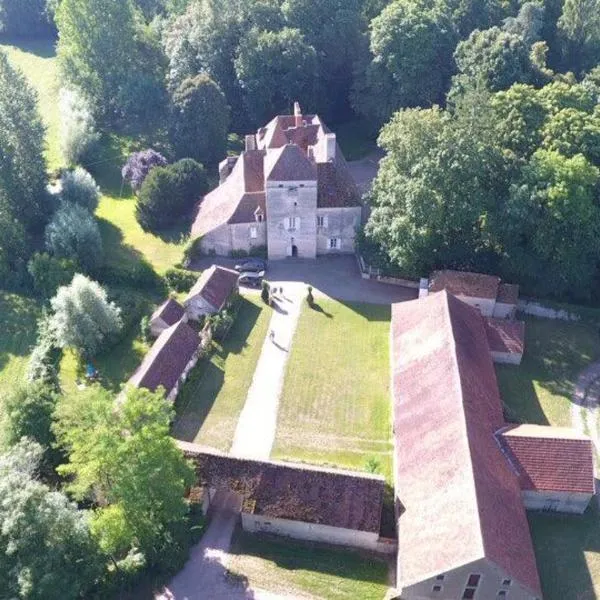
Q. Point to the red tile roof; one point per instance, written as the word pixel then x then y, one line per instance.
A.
pixel 167 359
pixel 508 293
pixel 299 492
pixel 462 501
pixel 505 336
pixel 289 163
pixel 550 458
pixel 215 285
pixel 170 311
pixel 464 283
pixel 336 188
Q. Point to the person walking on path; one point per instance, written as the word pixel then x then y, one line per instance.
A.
pixel 272 335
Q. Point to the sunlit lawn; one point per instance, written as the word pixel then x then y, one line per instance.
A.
pixel 299 569
pixel 335 406
pixel 209 405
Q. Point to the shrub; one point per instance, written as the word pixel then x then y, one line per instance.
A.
pixel 45 358
pixel 49 273
pixel 78 135
pixel 191 250
pixel 221 323
pixel 309 297
pixel 265 292
pixel 179 280
pixel 238 253
pixel 259 251
pixel 79 187
pixel 137 274
pixel 169 192
pixel 73 233
pixel 145 329
pixel 139 164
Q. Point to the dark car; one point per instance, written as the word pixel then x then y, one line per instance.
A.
pixel 251 278
pixel 252 265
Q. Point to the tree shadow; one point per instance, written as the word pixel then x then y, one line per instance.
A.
pixel 40 47
pixel 18 323
pixel 318 308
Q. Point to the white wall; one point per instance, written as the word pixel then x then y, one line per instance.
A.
pixel 191 364
pixel 157 326
pixel 485 305
pixel 509 358
pixel 574 502
pixel 310 531
pixel 504 311
pixel 339 223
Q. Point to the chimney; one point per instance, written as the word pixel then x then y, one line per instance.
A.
pixel 297 115
pixel 330 147
pixel 250 143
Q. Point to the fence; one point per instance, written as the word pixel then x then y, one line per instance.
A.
pixel 369 272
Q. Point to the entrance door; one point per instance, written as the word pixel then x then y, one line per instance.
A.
pixel 294 250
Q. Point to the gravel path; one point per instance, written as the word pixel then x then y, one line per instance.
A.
pixel 586 404
pixel 255 432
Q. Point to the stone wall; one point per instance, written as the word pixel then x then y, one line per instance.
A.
pixel 573 502
pixel 340 223
pixel 531 307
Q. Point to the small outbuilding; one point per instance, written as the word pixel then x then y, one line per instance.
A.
pixel 166 315
pixel 211 293
pixel 506 340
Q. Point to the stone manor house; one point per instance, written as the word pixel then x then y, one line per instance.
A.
pixel 289 190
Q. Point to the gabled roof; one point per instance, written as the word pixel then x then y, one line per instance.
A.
pixel 215 285
pixel 550 458
pixel 505 336
pixel 335 185
pixel 299 492
pixel 167 359
pixel 462 501
pixel 465 283
pixel 289 163
pixel 170 311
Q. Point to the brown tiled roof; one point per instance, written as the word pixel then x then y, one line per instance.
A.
pixel 292 491
pixel 215 285
pixel 505 336
pixel 246 209
pixel 462 501
pixel 464 283
pixel 167 359
pixel 550 458
pixel 508 293
pixel 289 163
pixel 336 187
pixel 170 311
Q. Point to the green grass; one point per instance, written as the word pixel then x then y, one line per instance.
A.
pixel 335 405
pixel 304 569
pixel 540 389
pixel 210 403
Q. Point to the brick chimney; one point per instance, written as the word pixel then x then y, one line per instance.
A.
pixel 297 115
pixel 330 143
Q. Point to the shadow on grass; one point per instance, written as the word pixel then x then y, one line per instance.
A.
pixel 318 308
pixel 561 543
pixel 41 47
pixel 200 391
pixel 18 319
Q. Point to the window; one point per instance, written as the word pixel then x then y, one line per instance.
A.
pixel 440 578
pixel 469 593
pixel 259 217
pixel 253 232
pixel 334 243
pixel 473 580
pixel 321 221
pixel 506 582
pixel 502 594
pixel 471 587
pixel 436 588
pixel 291 223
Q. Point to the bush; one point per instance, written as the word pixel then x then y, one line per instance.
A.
pixel 139 164
pixel 259 251
pixel 45 358
pixel 73 233
pixel 309 297
pixel 138 274
pixel 221 323
pixel 49 273
pixel 238 253
pixel 145 329
pixel 265 292
pixel 191 250
pixel 179 280
pixel 79 187
pixel 78 136
pixel 170 192
pixel 133 305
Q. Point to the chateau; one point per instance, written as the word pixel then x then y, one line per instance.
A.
pixel 289 190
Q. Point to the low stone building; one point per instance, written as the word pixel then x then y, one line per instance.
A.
pixel 506 339
pixel 167 314
pixel 211 293
pixel 289 190
pixel 168 363
pixel 295 500
pixel 554 465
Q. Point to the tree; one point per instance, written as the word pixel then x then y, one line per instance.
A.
pixel 49 272
pixel 78 135
pixel 79 187
pixel 124 458
pixel 412 43
pixel 579 29
pixel 22 165
pixel 106 52
pixel 45 358
pixel 527 24
pixel 170 192
pixel 274 69
pixel 46 549
pixel 139 164
pixel 83 318
pixel 199 120
pixel 73 233
pixel 28 19
pixel 14 248
pixel 468 15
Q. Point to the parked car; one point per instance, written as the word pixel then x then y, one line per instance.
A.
pixel 253 264
pixel 251 278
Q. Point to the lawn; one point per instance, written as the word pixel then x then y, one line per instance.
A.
pixel 335 405
pixel 306 570
pixel 540 389
pixel 210 403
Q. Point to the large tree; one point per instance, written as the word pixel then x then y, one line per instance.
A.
pixel 124 458
pixel 579 29
pixel 46 549
pixel 199 120
pixel 27 18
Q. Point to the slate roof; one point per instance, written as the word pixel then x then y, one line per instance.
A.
pixel 505 336
pixel 215 285
pixel 335 185
pixel 170 311
pixel 338 498
pixel 465 283
pixel 550 458
pixel 167 359
pixel 289 163
pixel 462 500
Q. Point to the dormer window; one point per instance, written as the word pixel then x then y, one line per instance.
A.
pixel 258 215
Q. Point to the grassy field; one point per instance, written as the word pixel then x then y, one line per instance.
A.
pixel 335 406
pixel 540 389
pixel 210 403
pixel 306 570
